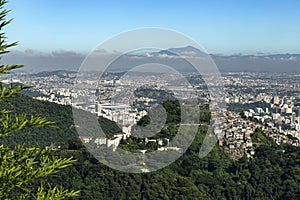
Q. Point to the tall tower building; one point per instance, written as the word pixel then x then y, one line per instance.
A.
pixel 293 118
pixel 276 100
pixel 97 93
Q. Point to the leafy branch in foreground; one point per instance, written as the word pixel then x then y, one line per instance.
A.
pixel 10 124
pixel 55 193
pixel 21 168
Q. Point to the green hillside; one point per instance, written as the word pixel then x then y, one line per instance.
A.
pixel 271 175
pixel 62 134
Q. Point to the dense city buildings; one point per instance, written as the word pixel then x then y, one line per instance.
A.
pixel 255 101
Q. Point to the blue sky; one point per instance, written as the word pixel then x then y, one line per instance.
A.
pixel 226 27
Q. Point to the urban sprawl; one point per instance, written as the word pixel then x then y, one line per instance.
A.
pixel 269 102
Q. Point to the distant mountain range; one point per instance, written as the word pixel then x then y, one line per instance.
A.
pixel 37 62
pixel 187 51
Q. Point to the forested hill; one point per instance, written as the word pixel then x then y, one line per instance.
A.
pixel 64 134
pixel 272 174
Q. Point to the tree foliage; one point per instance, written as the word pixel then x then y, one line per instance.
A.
pixel 21 168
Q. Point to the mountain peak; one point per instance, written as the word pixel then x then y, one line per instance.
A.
pixel 188 50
